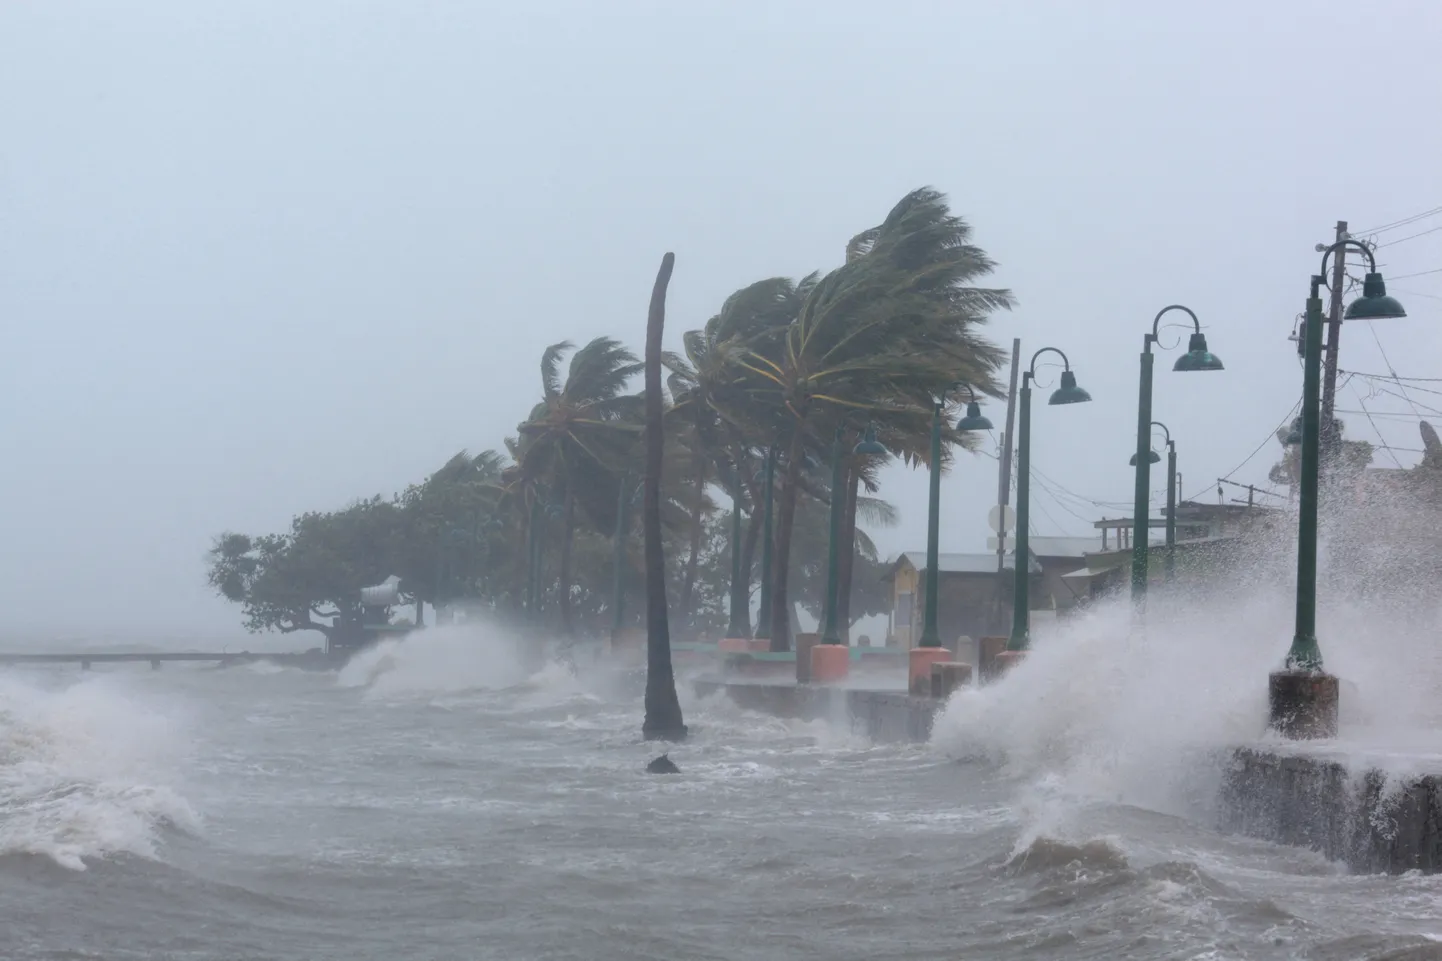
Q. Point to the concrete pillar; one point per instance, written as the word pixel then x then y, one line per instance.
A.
pixel 947 676
pixel 986 651
pixel 1303 704
pixel 919 664
pixel 803 643
pixel 830 663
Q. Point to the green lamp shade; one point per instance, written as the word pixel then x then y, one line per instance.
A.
pixel 1374 304
pixel 1152 458
pixel 870 445
pixel 1197 356
pixel 973 419
pixel 1069 392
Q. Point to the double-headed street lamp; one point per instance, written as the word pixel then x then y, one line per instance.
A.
pixel 1303 700
pixel 1196 358
pixel 1152 458
pixel 1067 393
pixel 869 446
pixel 973 421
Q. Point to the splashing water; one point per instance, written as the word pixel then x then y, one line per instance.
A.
pixel 86 771
pixel 448 659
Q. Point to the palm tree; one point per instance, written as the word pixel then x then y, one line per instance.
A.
pixel 663 719
pixel 577 439
pixel 875 340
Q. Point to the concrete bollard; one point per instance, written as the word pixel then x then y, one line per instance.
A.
pixel 986 651
pixel 919 664
pixel 1004 662
pixel 803 643
pixel 830 663
pixel 947 676
pixel 1303 704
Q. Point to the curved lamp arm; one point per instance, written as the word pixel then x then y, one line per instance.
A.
pixel 1031 368
pixel 1157 322
pixel 1342 244
pixel 1157 423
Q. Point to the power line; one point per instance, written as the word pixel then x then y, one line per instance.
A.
pixel 1271 435
pixel 1420 273
pixel 1403 222
pixel 1393 376
pixel 1403 240
pixel 1368 414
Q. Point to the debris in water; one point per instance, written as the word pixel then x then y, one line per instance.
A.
pixel 663 765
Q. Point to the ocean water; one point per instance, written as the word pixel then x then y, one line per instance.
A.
pixel 436 799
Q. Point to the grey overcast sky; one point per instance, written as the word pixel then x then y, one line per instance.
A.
pixel 264 257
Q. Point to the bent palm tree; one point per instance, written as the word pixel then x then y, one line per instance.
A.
pixel 663 719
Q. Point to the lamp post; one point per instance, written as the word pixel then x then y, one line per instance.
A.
pixel 1152 458
pixel 870 446
pixel 740 621
pixel 1196 358
pixel 930 632
pixel 1302 698
pixel 763 616
pixel 1067 393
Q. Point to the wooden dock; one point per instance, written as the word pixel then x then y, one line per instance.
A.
pixel 308 660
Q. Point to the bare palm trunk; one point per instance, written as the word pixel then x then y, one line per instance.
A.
pixel 688 583
pixel 663 710
pixel 749 542
pixel 568 537
pixel 781 550
pixel 847 556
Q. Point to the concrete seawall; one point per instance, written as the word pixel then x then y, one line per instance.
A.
pixel 1348 812
pixel 1352 815
pixel 883 716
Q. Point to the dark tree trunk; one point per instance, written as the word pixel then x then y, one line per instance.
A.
pixel 847 555
pixel 568 537
pixel 749 543
pixel 781 550
pixel 688 582
pixel 663 709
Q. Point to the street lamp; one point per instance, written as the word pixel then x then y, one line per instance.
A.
pixel 763 615
pixel 1067 393
pixel 869 446
pixel 1197 358
pixel 1152 458
pixel 1303 699
pixel 930 633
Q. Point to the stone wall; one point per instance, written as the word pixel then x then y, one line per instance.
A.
pixel 1352 817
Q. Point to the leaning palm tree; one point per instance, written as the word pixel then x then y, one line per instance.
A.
pixel 578 437
pixel 876 340
pixel 663 719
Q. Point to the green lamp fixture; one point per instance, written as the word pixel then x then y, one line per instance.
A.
pixel 1068 392
pixel 1152 458
pixel 869 445
pixel 1374 304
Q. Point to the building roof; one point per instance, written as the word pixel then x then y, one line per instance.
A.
pixel 1076 547
pixel 958 563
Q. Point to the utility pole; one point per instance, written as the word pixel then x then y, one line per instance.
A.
pixel 1003 482
pixel 1329 357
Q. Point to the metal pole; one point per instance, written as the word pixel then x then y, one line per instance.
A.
pixel 930 634
pixel 763 616
pixel 830 633
pixel 1020 638
pixel 1330 438
pixel 740 594
pixel 1141 523
pixel 1171 564
pixel 1305 654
